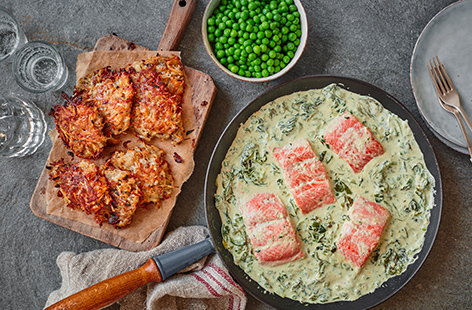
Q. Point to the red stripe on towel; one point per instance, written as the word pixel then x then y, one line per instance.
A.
pixel 231 294
pixel 207 285
pixel 227 277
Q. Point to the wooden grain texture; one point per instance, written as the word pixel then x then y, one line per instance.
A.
pixel 179 17
pixel 204 91
pixel 110 290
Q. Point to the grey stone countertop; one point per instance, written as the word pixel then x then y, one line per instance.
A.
pixel 371 40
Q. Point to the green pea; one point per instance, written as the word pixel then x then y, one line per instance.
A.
pixel 265 25
pixel 237 15
pixel 290 54
pixel 235 26
pixel 249 28
pixel 296 14
pixel 263 65
pixel 218 33
pixel 242 25
pixel 211 37
pixel 276 38
pixel 231 40
pixel 258 75
pixel 278 68
pixel 226 32
pixel 218 46
pixel 257 68
pixel 246 43
pixel 224 18
pixel 298 33
pixel 272 54
pixel 264 48
pixel 258 41
pixel 230 59
pixel 240 34
pixel 296 42
pixel 269 15
pixel 211 21
pixel 256 61
pixel 211 29
pixel 228 23
pixel 260 35
pixel 283 8
pixel 276 62
pixel 270 69
pixel 292 36
pixel 223 39
pixel 234 69
pixel 223 61
pixel 268 33
pixel 246 35
pixel 277 17
pixel 253 36
pixel 248 49
pixel 241 72
pixel 273 26
pixel 257 49
pixel 265 41
pixel 226 45
pixel 251 56
pixel 264 57
pixel 252 6
pixel 233 33
pixel 250 69
pixel 290 17
pixel 286 59
pixel 252 14
pixel 278 48
pixel 230 51
pixel 272 44
pixel 270 62
pixel 284 30
pixel 273 5
pixel 256 19
pixel 220 54
pixel 244 54
pixel 244 15
pixel 265 73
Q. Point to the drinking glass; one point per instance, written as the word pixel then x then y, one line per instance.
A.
pixel 22 127
pixel 39 67
pixel 11 35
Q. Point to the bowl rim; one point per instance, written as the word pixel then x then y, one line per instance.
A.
pixel 288 67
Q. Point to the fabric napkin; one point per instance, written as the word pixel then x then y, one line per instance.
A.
pixel 204 285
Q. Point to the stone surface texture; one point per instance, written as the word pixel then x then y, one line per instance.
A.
pixel 371 40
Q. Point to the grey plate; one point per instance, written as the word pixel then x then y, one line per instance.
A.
pixel 214 221
pixel 453 146
pixel 449 36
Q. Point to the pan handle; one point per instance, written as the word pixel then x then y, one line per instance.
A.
pixel 172 262
pixel 156 269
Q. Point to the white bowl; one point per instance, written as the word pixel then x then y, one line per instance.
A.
pixel 301 47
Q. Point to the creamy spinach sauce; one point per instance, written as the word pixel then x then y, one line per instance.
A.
pixel 398 180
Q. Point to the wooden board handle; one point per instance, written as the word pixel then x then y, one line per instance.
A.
pixel 108 291
pixel 179 17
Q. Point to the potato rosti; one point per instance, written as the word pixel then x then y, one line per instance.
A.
pixel 80 126
pixel 125 195
pixel 113 93
pixel 83 187
pixel 148 165
pixel 156 112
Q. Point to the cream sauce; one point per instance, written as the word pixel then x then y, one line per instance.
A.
pixel 398 180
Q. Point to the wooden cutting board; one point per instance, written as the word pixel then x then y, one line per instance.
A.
pixel 203 91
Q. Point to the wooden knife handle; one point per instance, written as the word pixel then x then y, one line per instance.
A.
pixel 108 291
pixel 180 15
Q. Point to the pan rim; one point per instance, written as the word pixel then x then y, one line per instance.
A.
pixel 388 288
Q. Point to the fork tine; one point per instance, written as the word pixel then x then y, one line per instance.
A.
pixel 436 78
pixel 433 79
pixel 446 76
pixel 438 69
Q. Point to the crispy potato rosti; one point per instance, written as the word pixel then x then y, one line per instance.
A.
pixel 156 112
pixel 170 70
pixel 151 170
pixel 113 93
pixel 125 195
pixel 80 125
pixel 83 187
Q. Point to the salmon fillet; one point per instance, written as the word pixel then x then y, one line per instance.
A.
pixel 352 141
pixel 305 175
pixel 271 233
pixel 360 235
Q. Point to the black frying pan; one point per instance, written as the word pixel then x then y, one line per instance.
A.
pixel 394 284
pixel 161 267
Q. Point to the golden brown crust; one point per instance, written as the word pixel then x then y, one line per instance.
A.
pixel 156 112
pixel 83 187
pixel 113 93
pixel 148 165
pixel 125 194
pixel 80 125
pixel 169 68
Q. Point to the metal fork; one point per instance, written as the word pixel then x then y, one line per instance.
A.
pixel 448 97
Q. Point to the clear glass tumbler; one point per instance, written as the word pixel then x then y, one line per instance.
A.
pixel 39 67
pixel 11 35
pixel 22 127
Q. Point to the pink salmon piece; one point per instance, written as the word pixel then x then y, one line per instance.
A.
pixel 361 234
pixel 352 141
pixel 305 175
pixel 272 235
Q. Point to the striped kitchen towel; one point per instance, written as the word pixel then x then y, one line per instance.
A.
pixel 204 285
